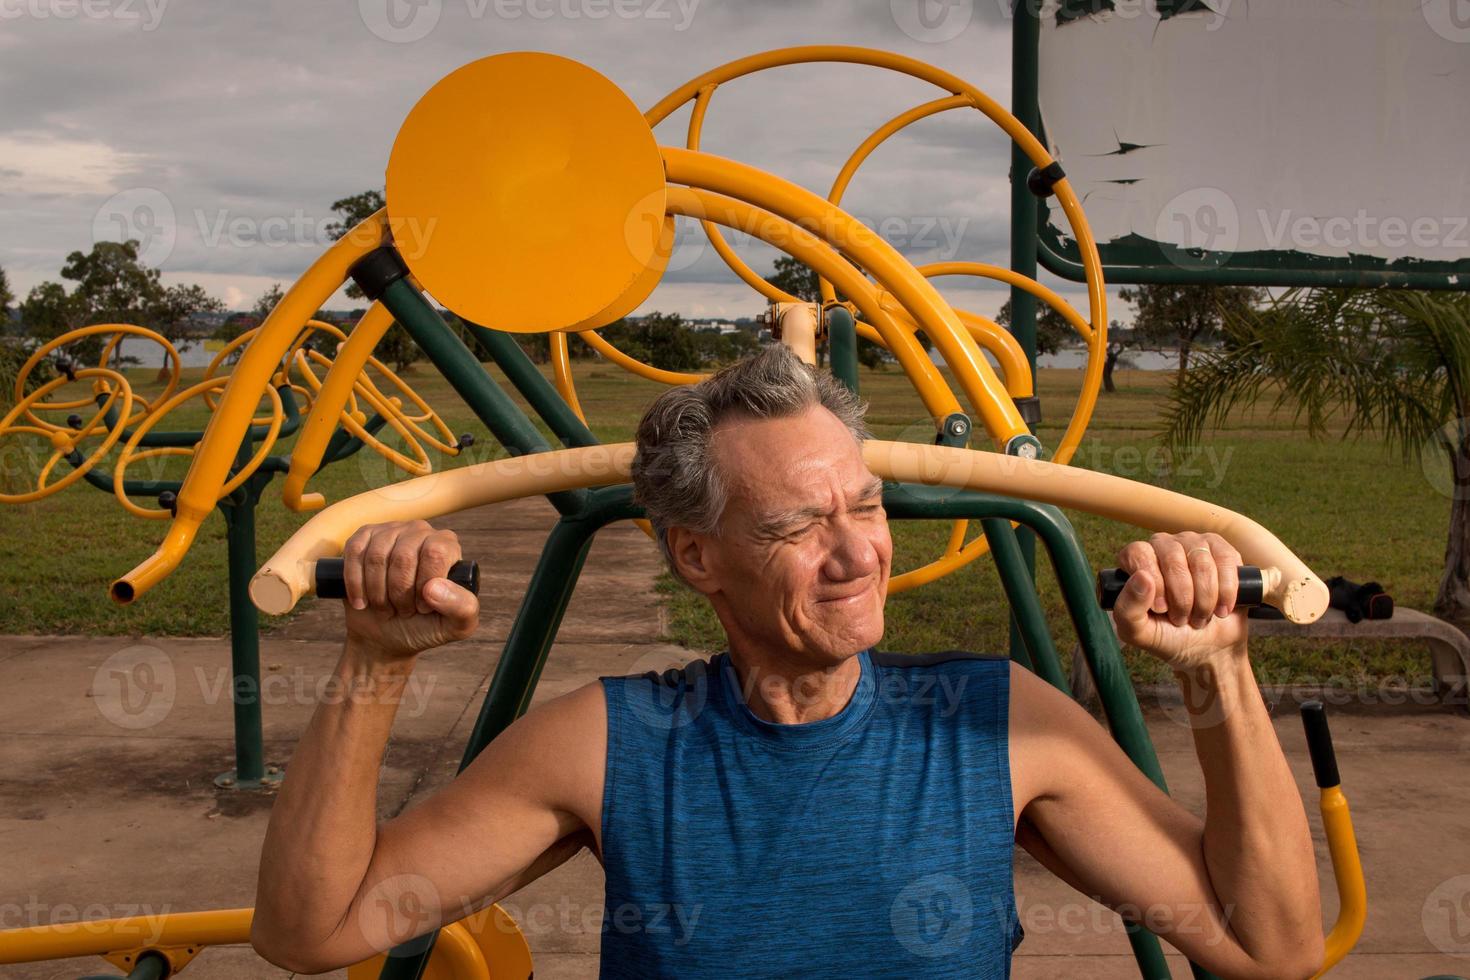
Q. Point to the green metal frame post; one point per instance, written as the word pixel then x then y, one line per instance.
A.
pixel 1025 34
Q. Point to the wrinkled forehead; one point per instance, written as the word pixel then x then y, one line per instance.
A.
pixel 766 462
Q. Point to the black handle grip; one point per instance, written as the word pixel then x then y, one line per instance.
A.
pixel 331 585
pixel 1319 744
pixel 1252 591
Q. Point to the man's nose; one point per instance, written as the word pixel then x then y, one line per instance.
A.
pixel 853 555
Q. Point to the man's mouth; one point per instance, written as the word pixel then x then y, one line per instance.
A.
pixel 851 596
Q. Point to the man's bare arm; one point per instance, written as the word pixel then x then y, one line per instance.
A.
pixel 1237 892
pixel 334 886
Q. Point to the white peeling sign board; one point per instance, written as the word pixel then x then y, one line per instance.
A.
pixel 1275 142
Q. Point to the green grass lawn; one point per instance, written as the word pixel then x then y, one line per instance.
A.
pixel 1349 508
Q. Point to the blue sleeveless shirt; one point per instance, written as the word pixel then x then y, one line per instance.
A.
pixel 876 842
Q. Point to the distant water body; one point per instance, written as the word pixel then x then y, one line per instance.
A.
pixel 151 355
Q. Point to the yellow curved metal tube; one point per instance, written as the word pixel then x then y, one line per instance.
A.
pixel 287 575
pixel 63 441
pixel 1096 337
pixel 101 937
pixel 119 330
pixel 986 393
pixel 846 54
pixel 227 426
pixel 634 366
pixel 712 231
pixel 328 406
pixel 417 466
pixel 938 399
pixel 1347 870
pixel 126 457
pixel 1015 372
pixel 460 953
pixel 561 370
pixel 1289 584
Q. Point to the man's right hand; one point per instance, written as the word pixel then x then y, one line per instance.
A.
pixel 398 601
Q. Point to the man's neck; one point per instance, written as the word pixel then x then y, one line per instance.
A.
pixel 778 690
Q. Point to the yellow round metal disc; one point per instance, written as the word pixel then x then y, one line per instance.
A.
pixel 526 192
pixel 640 288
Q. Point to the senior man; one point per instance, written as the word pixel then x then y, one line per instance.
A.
pixel 800 804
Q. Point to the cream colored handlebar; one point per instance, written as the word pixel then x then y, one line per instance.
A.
pixel 1290 585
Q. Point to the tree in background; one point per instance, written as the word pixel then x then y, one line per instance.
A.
pixel 12 354
pixel 1185 317
pixel 397 347
pixel 661 339
pixel 1117 344
pixel 112 286
pixel 48 311
pixel 1395 363
pixel 6 299
pixel 1053 332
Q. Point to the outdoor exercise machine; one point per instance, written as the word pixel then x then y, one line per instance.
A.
pixel 124 420
pixel 515 170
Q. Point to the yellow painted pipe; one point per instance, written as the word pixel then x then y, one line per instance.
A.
pixel 63 441
pixel 938 399
pixel 228 424
pixel 328 405
pixel 1290 584
pixel 99 937
pixel 702 84
pixel 125 457
pixel 119 331
pixel 1347 869
pixel 561 370
pixel 288 574
pixel 180 936
pixel 986 393
pixel 631 364
pixel 798 324
pixel 1096 336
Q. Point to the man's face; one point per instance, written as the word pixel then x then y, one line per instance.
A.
pixel 801 564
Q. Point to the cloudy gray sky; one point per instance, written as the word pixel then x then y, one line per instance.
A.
pixel 220 132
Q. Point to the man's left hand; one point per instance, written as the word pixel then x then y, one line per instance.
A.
pixel 1179 603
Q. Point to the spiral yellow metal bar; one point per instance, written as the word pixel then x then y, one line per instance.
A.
pixel 702 86
pixel 228 424
pixel 119 330
pixel 63 441
pixel 976 377
pixel 126 457
pixel 328 407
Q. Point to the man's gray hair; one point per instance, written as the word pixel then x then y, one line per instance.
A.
pixel 674 476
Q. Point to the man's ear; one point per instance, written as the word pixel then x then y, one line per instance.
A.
pixel 690 552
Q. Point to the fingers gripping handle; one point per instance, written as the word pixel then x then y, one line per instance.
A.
pixel 1252 591
pixel 330 583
